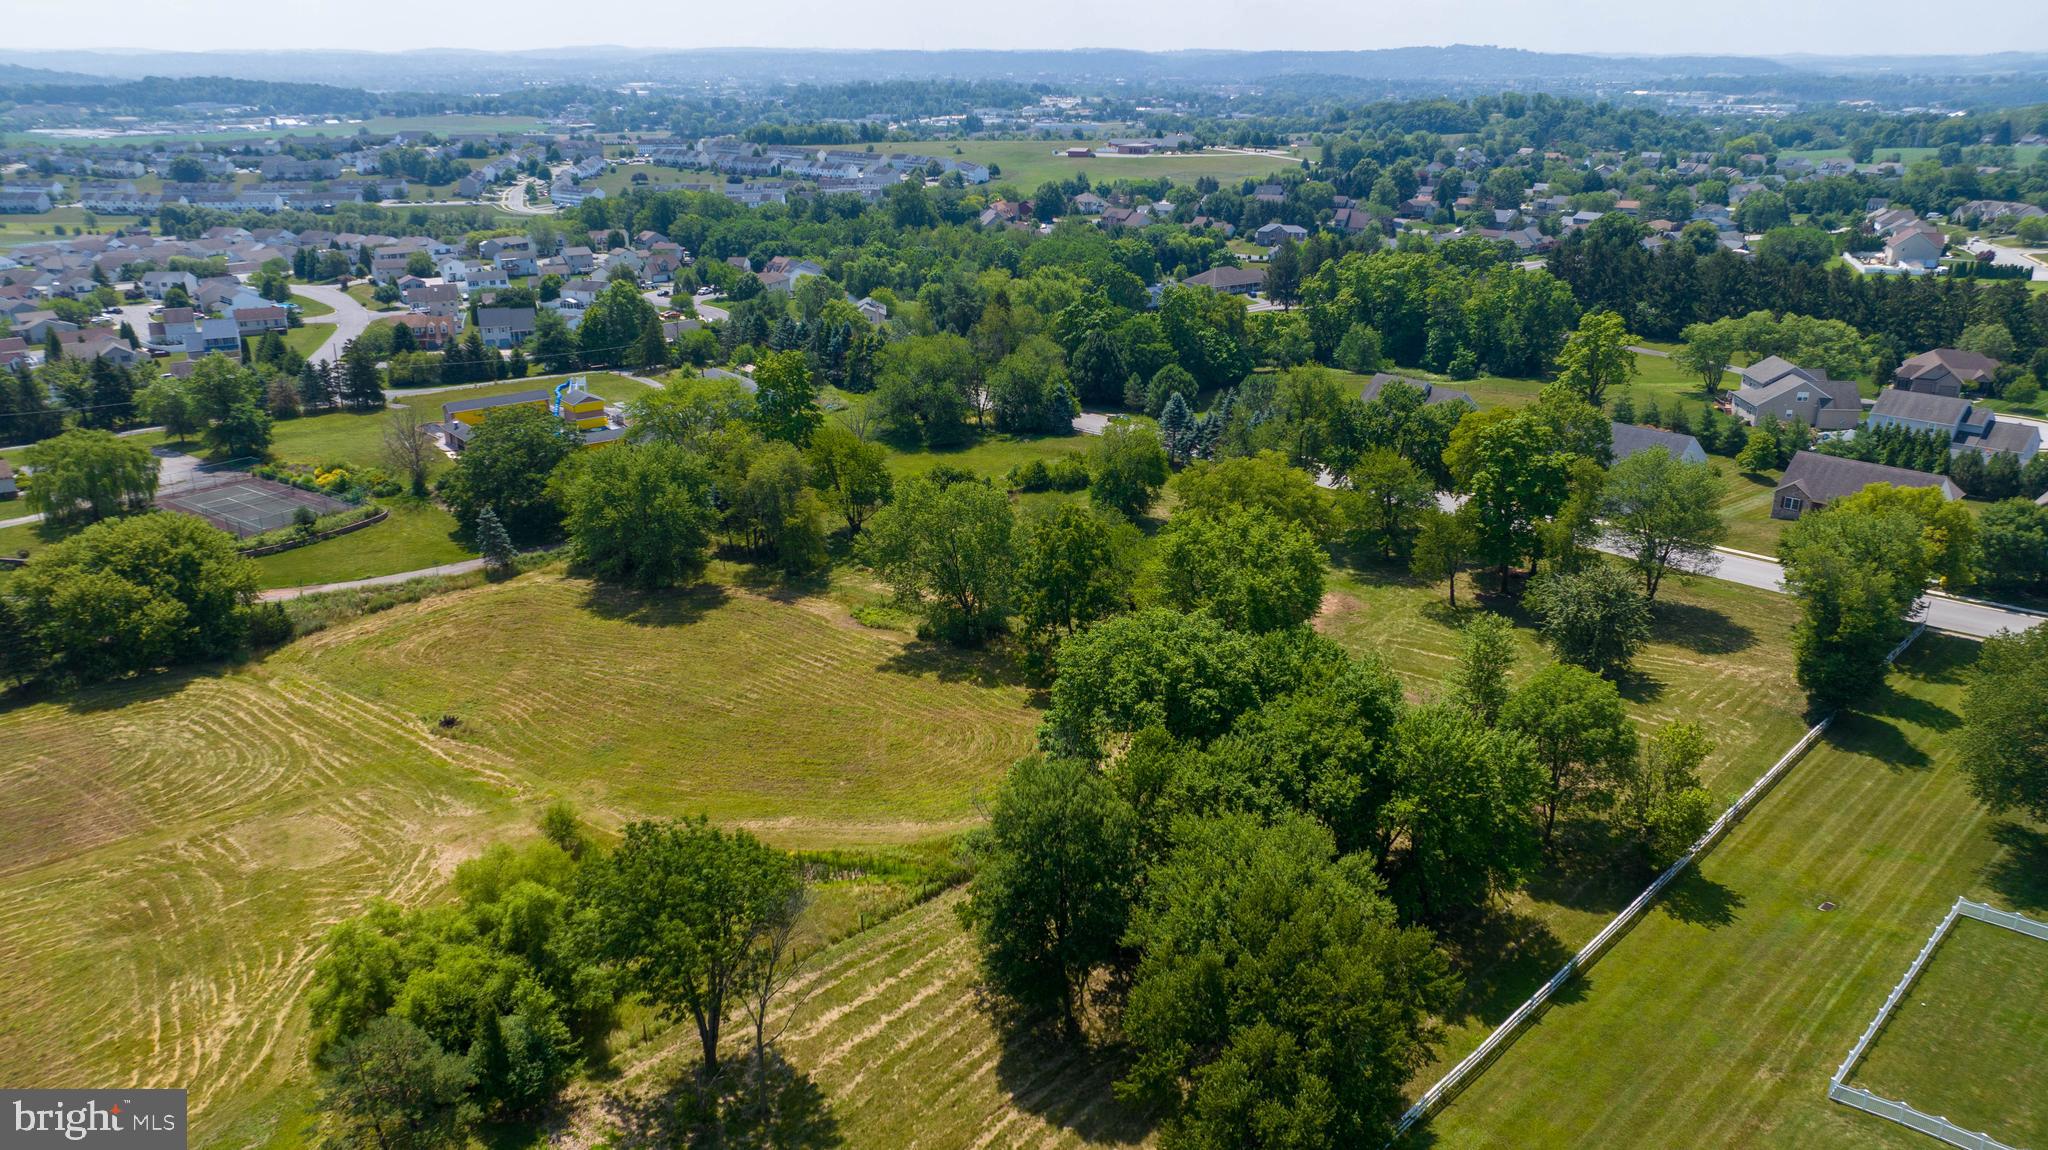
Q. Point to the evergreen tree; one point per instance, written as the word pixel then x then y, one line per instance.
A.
pixel 493 542
pixel 1177 429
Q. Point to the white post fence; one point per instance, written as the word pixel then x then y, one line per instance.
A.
pixel 1838 1087
pixel 1469 1067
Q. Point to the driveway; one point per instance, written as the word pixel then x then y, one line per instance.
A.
pixel 349 317
pixel 2008 257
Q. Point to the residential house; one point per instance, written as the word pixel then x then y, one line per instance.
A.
pixel 1632 439
pixel 1088 204
pixel 432 332
pixel 579 258
pixel 24 201
pixel 1914 247
pixel 505 326
pixel 1946 371
pixel 1775 386
pixel 213 335
pixel 254 321
pixel 873 310
pixel 1276 233
pixel 1230 280
pixel 1963 424
pixel 443 299
pixel 14 349
pixel 484 277
pixel 581 293
pixel 154 284
pixel 1812 481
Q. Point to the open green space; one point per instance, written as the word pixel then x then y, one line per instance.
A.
pixel 1745 507
pixel 991 457
pixel 1718 1019
pixel 307 338
pixel 42 228
pixel 416 534
pixel 1969 1041
pixel 1029 163
pixel 311 308
pixel 2023 155
pixel 163 931
pixel 362 291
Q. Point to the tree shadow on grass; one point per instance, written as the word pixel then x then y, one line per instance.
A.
pixel 1896 704
pixel 675 607
pixel 1701 630
pixel 1638 686
pixel 1879 739
pixel 2020 872
pixel 1694 898
pixel 723 1112
pixel 1070 1084
pixel 1505 955
pixel 949 664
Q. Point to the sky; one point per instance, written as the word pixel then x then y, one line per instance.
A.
pixel 1747 27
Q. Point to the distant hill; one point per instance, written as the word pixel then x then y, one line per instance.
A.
pixel 18 74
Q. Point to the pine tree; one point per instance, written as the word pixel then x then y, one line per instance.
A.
pixel 515 364
pixel 650 350
pixel 1177 428
pixel 493 542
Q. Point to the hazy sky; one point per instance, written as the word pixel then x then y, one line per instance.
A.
pixel 1738 26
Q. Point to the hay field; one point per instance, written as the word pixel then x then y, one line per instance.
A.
pixel 176 845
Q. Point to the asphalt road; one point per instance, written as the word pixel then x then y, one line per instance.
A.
pixel 2014 257
pixel 1962 616
pixel 349 317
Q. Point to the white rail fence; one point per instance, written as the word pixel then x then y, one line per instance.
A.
pixel 1504 1035
pixel 1905 1115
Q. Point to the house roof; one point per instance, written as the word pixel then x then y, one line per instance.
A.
pixel 535 395
pixel 1964 365
pixel 504 316
pixel 1826 478
pixel 1228 277
pixel 1770 370
pixel 2009 436
pixel 1630 438
pixel 1921 406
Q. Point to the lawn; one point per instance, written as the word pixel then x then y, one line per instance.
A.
pixel 362 291
pixel 311 308
pixel 35 229
pixel 1718 1019
pixel 991 457
pixel 416 534
pixel 1970 1039
pixel 1745 506
pixel 307 338
pixel 179 841
pixel 1029 163
pixel 26 538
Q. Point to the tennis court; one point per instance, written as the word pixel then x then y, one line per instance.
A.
pixel 242 504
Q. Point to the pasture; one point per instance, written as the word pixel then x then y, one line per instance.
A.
pixel 1029 163
pixel 1969 1041
pixel 1719 1018
pixel 180 841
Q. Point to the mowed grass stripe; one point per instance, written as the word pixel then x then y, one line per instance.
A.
pixel 1718 1020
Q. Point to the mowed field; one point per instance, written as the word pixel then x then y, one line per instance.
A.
pixel 1718 1019
pixel 176 846
pixel 1970 1040
pixel 1029 163
pixel 891 1031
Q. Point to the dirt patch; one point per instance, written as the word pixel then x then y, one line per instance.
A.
pixel 1335 605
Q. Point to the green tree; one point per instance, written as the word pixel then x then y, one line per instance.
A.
pixel 1856 574
pixel 1185 674
pixel 1126 467
pixel 1761 451
pixel 851 473
pixel 1582 734
pixel 2004 740
pixel 1384 506
pixel 1445 542
pixel 552 345
pixel 1709 349
pixel 679 910
pixel 1276 1001
pixel 637 513
pixel 1074 566
pixel 1262 482
pixel 1511 466
pixel 1663 511
pixel 1593 617
pixel 492 542
pixel 506 467
pixel 786 398
pixel 1597 357
pixel 242 432
pixel 1459 815
pixel 1486 659
pixel 1052 885
pixel 88 475
pixel 1250 570
pixel 777 512
pixel 393 1088
pixel 2012 541
pixel 612 324
pixel 949 552
pixel 136 593
pixel 1664 805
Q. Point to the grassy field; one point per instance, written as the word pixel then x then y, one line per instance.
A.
pixel 2022 156
pixel 1029 163
pixel 992 457
pixel 1745 507
pixel 416 534
pixel 36 229
pixel 1970 1040
pixel 311 308
pixel 180 841
pixel 307 338
pixel 1718 1019
pixel 360 291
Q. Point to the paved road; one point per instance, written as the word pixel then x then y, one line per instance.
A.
pixel 349 317
pixel 276 594
pixel 514 201
pixel 2013 257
